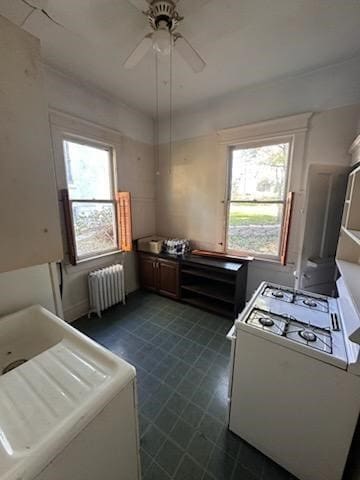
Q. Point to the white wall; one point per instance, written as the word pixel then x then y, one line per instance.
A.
pixel 84 111
pixel 135 173
pixel 190 198
pixel 25 287
pixel 76 98
pixel 326 88
pixel 195 185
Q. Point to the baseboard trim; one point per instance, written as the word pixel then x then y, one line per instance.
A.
pixel 80 309
pixel 76 311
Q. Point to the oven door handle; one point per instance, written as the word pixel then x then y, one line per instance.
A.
pixel 231 335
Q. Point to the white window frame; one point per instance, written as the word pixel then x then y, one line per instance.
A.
pixel 248 145
pixel 109 148
pixel 295 127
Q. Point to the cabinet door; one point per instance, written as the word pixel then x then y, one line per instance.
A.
pixel 29 217
pixel 168 278
pixel 147 272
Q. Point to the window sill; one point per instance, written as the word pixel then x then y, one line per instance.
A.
pixel 96 257
pixel 90 263
pixel 256 257
pixel 267 261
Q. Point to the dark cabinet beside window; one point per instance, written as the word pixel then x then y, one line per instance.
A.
pixel 216 285
pixel 159 275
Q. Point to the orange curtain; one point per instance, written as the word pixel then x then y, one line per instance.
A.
pixel 286 228
pixel 124 221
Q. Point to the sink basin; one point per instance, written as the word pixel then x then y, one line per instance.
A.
pixel 53 381
pixel 25 335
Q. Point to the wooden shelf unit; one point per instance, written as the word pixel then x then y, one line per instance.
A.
pixel 214 285
pixel 208 304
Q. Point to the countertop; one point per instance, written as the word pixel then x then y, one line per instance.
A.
pixel 189 259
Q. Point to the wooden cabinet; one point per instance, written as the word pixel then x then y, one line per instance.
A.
pixel 214 285
pixel 168 278
pixel 159 275
pixel 148 272
pixel 29 217
pixel 210 284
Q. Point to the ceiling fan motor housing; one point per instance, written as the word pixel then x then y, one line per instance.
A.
pixel 163 11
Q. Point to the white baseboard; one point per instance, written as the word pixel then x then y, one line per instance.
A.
pixel 82 308
pixel 76 311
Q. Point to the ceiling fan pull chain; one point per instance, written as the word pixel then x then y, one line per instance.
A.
pixel 157 126
pixel 171 108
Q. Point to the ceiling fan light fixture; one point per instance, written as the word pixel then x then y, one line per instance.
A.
pixel 162 40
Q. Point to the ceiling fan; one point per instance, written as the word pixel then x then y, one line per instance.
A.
pixel 163 19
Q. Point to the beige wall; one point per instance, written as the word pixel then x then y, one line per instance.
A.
pixel 190 195
pixel 135 173
pixel 92 114
pixel 24 287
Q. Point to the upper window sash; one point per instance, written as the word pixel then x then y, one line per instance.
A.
pixel 242 186
pixel 89 170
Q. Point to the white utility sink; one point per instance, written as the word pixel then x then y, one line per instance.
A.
pixel 25 335
pixel 53 380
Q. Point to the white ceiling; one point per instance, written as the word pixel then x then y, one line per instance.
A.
pixel 244 42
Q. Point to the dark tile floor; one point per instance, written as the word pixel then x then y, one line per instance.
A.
pixel 181 355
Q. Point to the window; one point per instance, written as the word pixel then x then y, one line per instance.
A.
pixel 257 199
pixel 91 198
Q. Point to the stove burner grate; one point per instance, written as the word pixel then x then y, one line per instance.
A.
pixel 266 322
pixel 310 303
pixel 277 294
pixel 308 335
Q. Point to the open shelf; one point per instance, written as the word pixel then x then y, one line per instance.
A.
pixel 221 277
pixel 353 216
pixel 345 214
pixel 350 273
pixel 217 292
pixel 209 304
pixel 214 284
pixel 349 187
pixel 353 234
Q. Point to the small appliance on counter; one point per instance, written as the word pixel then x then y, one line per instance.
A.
pixel 153 244
pixel 176 246
pixel 294 392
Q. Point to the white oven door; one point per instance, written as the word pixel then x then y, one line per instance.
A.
pixel 286 404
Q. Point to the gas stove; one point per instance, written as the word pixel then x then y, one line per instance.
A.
pixel 292 329
pixel 278 293
pixel 268 321
pixel 306 322
pixel 303 299
pixel 295 373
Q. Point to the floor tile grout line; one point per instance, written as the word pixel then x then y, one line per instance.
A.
pixel 215 332
pixel 196 431
pixel 212 356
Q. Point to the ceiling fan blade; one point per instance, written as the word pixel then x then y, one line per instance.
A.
pixel 189 54
pixel 139 52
